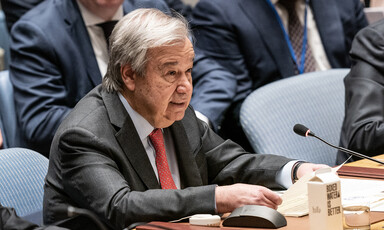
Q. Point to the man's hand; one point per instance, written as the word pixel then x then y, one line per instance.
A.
pixel 233 196
pixel 308 168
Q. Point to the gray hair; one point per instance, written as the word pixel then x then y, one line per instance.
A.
pixel 134 34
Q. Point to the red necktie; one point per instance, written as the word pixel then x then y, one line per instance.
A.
pixel 165 176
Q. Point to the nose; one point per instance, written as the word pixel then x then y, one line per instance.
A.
pixel 185 84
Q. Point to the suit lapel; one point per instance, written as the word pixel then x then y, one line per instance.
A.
pixel 129 140
pixel 80 37
pixel 331 34
pixel 131 144
pixel 189 172
pixel 264 20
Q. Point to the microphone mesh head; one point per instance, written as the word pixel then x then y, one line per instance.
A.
pixel 300 130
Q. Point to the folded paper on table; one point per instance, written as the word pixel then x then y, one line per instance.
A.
pixel 295 199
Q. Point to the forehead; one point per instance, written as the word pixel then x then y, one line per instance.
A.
pixel 165 55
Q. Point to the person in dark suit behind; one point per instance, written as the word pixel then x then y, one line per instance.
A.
pixel 53 67
pixel 14 9
pixel 363 126
pixel 133 150
pixel 246 37
pixel 181 7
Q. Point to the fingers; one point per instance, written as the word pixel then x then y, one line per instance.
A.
pixel 319 166
pixel 267 198
pixel 308 168
pixel 272 200
pixel 233 196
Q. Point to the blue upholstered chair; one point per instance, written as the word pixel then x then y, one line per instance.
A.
pixel 11 132
pixel 315 100
pixel 22 173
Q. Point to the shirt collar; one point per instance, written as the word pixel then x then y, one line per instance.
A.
pixel 143 127
pixel 91 19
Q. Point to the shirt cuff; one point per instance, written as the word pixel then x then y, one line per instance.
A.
pixel 283 177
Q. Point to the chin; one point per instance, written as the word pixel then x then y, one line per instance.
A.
pixel 175 117
pixel 179 116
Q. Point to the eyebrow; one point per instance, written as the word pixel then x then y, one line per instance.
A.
pixel 166 64
pixel 169 64
pixel 173 63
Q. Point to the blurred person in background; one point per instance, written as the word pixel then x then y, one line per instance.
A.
pixel 53 67
pixel 263 41
pixel 363 126
pixel 14 9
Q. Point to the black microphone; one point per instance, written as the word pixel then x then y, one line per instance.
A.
pixel 305 132
pixel 71 211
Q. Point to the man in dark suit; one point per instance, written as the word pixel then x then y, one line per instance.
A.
pixel 14 9
pixel 55 61
pixel 363 126
pixel 53 67
pixel 181 7
pixel 246 37
pixel 133 150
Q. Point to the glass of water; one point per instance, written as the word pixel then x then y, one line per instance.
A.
pixel 356 212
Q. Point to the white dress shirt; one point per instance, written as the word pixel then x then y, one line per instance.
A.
pixel 314 40
pixel 96 34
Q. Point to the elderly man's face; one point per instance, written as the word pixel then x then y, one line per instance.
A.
pixel 162 96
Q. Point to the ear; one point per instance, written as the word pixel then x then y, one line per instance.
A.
pixel 128 77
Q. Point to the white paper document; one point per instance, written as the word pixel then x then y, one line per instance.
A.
pixel 295 199
pixel 373 190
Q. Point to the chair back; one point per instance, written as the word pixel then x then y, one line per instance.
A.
pixel 22 173
pixel 11 132
pixel 315 100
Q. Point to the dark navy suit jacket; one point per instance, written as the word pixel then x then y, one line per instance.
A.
pixel 244 36
pixel 53 66
pixel 14 9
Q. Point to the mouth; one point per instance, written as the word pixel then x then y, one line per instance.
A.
pixel 178 104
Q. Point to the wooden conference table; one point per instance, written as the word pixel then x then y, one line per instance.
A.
pixel 362 169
